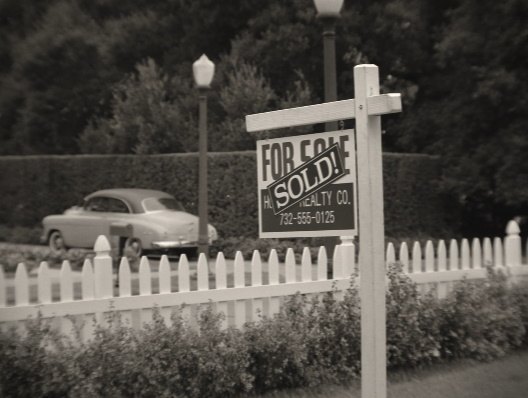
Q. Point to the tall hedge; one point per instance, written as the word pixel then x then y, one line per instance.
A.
pixel 35 186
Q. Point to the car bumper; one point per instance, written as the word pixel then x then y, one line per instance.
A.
pixel 174 244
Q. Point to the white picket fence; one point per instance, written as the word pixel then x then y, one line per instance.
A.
pixel 242 290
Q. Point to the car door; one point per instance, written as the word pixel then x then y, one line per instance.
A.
pixel 85 225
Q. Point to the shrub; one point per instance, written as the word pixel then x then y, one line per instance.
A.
pixel 412 326
pixel 334 339
pixel 179 360
pixel 479 319
pixel 106 365
pixel 277 348
pixel 20 234
pixel 519 296
pixel 31 365
pixel 12 255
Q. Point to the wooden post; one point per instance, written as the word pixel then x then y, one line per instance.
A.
pixel 512 245
pixel 371 235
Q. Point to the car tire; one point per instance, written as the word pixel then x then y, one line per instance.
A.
pixel 132 248
pixel 56 242
pixel 191 253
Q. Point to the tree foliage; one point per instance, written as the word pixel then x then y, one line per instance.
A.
pixel 73 79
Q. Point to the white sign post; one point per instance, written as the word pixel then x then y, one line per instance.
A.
pixel 366 108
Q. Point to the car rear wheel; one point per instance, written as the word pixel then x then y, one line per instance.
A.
pixel 56 242
pixel 132 247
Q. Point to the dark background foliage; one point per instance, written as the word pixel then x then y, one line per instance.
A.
pixel 35 186
pixel 107 76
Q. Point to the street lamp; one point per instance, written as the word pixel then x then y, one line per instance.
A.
pixel 328 11
pixel 203 71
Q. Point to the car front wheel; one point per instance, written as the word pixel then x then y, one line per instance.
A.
pixel 56 242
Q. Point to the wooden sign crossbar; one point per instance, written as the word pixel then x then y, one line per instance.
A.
pixel 366 108
pixel 322 113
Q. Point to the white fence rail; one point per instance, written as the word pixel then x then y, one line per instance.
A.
pixel 243 290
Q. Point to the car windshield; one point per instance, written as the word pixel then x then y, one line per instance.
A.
pixel 154 204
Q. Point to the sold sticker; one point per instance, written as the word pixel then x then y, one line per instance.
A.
pixel 306 179
pixel 307 185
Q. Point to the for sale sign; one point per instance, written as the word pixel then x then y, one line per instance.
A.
pixel 306 185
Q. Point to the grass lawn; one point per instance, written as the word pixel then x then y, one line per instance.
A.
pixel 504 378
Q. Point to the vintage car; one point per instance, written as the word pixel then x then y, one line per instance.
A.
pixel 135 220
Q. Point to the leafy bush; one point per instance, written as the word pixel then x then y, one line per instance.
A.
pixel 277 349
pixel 33 365
pixel 412 324
pixel 480 319
pixel 334 340
pixel 12 255
pixel 519 296
pixel 20 234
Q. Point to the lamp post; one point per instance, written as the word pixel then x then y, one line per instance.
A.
pixel 203 71
pixel 328 11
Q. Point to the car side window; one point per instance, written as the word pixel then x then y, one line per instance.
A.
pixel 106 205
pixel 116 206
pixel 95 204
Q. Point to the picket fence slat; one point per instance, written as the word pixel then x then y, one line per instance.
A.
pixel 322 264
pixel 498 253
pixel 487 252
pixel 273 267
pixel 416 258
pixel 465 256
pixel 476 254
pixel 453 255
pixel 390 256
pixel 202 271
pixel 66 282
pixel 429 257
pixel 239 281
pixel 404 257
pixel 442 288
pixel 442 256
pixel 43 284
pixel 21 285
pixel 87 281
pixel 164 283
pixel 289 266
pixel 221 283
pixel 184 280
pixel 306 265
pixel 145 278
pixel 164 275
pixel 256 280
pixel 337 269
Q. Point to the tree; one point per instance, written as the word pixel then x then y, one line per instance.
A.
pixel 145 119
pixel 474 112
